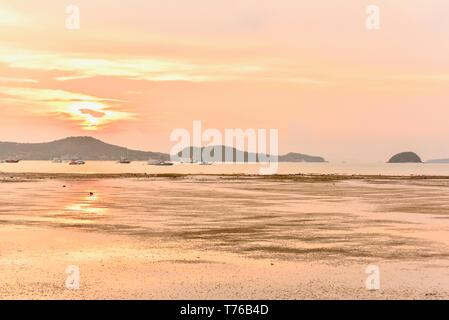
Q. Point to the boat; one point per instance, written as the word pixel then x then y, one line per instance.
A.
pixel 153 162
pixel 165 163
pixel 124 160
pixel 11 161
pixel 76 162
pixel 56 160
pixel 204 163
pixel 188 161
pixel 159 163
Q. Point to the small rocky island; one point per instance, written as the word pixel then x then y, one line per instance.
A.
pixel 405 157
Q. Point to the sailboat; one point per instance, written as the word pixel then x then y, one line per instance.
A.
pixel 125 160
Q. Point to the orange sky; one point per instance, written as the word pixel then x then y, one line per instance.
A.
pixel 136 70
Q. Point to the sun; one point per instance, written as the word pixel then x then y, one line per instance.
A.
pixel 95 115
pixel 91 114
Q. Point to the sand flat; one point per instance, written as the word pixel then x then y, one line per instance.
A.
pixel 228 237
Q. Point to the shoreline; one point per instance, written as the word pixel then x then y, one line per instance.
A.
pixel 27 176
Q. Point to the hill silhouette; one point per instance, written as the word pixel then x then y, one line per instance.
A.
pixel 405 157
pixel 89 148
pixel 231 154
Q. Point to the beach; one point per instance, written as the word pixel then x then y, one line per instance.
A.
pixel 181 236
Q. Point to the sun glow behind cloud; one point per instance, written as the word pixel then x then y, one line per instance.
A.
pixel 93 115
pixel 90 113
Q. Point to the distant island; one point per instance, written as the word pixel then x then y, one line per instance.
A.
pixel 89 148
pixel 405 157
pixel 86 148
pixel 196 152
pixel 438 161
pixel 299 157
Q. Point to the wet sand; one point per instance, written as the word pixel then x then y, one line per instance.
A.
pixel 223 237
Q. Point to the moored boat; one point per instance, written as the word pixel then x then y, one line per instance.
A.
pixel 188 161
pixel 124 161
pixel 12 161
pixel 160 163
pixel 76 162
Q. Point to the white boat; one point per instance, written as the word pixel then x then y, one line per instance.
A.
pixel 159 163
pixel 56 160
pixel 165 163
pixel 188 161
pixel 152 162
pixel 204 163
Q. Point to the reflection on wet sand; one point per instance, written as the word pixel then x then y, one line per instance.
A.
pixel 85 207
pixel 78 204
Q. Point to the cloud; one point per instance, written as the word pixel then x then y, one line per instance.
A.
pixel 17 80
pixel 93 113
pixel 145 68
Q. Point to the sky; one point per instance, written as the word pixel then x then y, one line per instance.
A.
pixel 136 70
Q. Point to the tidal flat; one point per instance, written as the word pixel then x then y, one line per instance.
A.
pixel 180 236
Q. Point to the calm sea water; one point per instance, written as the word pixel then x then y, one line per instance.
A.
pixel 234 168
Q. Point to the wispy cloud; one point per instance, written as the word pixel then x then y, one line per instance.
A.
pixel 145 68
pixel 16 80
pixel 10 18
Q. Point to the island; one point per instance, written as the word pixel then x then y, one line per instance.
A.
pixel 405 157
pixel 90 148
pixel 438 161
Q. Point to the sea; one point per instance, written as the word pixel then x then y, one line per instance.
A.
pixel 111 167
